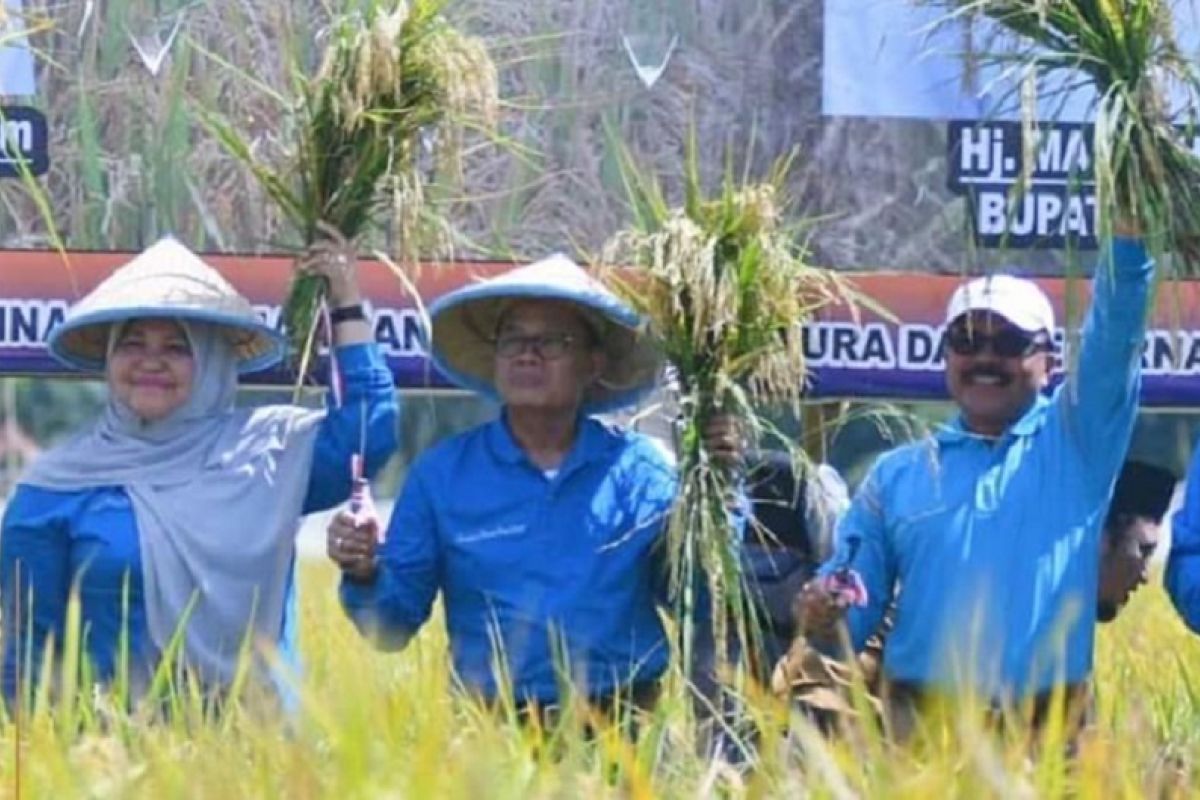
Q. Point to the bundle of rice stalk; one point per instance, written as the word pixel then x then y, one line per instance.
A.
pixel 395 75
pixel 727 290
pixel 1146 109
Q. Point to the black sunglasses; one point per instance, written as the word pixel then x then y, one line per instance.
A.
pixel 1007 343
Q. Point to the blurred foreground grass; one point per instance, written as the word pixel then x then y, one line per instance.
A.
pixel 389 725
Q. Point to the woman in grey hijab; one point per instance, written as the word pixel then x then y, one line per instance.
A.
pixel 174 516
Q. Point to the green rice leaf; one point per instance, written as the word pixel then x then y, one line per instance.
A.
pixel 393 76
pixel 1145 169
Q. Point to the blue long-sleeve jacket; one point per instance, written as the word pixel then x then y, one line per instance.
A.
pixel 990 549
pixel 1182 577
pixel 542 576
pixel 51 539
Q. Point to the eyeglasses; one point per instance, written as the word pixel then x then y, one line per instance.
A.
pixel 545 345
pixel 1007 343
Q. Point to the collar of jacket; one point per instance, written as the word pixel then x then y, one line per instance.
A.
pixel 955 432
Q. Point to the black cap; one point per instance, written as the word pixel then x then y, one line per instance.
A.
pixel 778 498
pixel 1142 490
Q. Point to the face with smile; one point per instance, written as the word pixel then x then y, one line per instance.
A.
pixel 994 370
pixel 150 368
pixel 545 357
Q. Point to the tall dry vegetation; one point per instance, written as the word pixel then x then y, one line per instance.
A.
pixel 129 162
pixel 372 724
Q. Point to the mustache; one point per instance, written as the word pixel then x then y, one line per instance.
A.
pixel 987 371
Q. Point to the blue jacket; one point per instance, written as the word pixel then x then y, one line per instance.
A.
pixel 1182 577
pixel 55 538
pixel 990 551
pixel 539 573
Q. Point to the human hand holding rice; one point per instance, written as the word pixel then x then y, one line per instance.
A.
pixel 335 259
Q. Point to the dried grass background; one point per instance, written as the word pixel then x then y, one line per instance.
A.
pixel 129 163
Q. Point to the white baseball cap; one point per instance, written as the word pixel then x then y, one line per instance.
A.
pixel 1022 302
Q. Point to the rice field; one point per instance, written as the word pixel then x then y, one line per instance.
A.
pixel 390 725
pixel 130 163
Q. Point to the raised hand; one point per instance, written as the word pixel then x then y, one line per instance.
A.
pixel 335 258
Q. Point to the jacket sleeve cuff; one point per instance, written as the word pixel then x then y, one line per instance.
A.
pixel 359 357
pixel 360 595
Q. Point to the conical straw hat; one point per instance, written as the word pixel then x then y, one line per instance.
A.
pixel 464 327
pixel 166 280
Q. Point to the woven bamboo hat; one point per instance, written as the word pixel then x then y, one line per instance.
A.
pixel 465 322
pixel 167 280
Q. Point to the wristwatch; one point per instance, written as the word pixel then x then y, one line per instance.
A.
pixel 347 313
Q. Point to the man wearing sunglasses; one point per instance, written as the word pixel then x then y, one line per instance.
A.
pixel 985 535
pixel 822 687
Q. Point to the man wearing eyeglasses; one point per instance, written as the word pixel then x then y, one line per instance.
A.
pixel 985 535
pixel 541 529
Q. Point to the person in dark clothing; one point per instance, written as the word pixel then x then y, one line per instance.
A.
pixel 1131 531
pixel 792 533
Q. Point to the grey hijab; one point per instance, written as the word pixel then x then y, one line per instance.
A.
pixel 217 493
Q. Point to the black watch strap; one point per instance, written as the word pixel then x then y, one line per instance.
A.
pixel 347 313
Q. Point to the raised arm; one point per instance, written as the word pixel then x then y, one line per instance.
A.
pixel 1100 402
pixel 1182 577
pixel 366 421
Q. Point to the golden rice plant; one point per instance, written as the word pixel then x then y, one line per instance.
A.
pixel 1146 109
pixel 385 724
pixel 395 78
pixel 727 289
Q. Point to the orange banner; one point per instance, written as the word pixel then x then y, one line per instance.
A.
pixel 851 355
